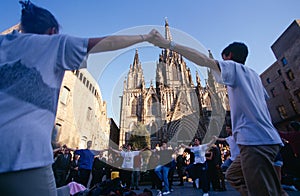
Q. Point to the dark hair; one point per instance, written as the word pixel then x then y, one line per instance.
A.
pixel 198 138
pixel 36 20
pixel 239 52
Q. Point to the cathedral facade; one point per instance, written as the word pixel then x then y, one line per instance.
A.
pixel 174 109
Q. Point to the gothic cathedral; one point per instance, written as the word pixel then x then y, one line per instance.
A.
pixel 175 110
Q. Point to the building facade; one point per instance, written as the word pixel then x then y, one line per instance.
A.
pixel 281 80
pixel 81 113
pixel 174 109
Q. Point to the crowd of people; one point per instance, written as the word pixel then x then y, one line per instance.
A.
pixel 204 165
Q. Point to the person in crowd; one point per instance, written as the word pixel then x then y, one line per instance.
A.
pixel 199 168
pixel 214 161
pixel 293 136
pixel 73 176
pixel 153 163
pixel 181 166
pixel 137 164
pixel 32 66
pixel 252 126
pixel 163 167
pixel 127 165
pixel 234 149
pixel 190 159
pixel 61 167
pixel 85 164
pixel 171 174
pixel 99 169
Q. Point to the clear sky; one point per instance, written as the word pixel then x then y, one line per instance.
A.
pixel 211 23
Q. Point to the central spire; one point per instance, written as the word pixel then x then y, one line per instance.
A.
pixel 136 60
pixel 168 35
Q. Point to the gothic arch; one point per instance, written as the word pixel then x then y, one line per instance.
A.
pixel 134 106
pixel 152 105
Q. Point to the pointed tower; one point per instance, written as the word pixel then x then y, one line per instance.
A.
pixel 171 70
pixel 132 99
pixel 168 35
pixel 135 77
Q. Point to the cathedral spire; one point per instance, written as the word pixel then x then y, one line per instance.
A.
pixel 136 60
pixel 168 35
pixel 210 54
pixel 198 79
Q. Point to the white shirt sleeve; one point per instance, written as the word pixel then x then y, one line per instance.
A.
pixel 228 72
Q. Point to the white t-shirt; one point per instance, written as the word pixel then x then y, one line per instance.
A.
pixel 251 120
pixel 31 71
pixel 128 158
pixel 199 153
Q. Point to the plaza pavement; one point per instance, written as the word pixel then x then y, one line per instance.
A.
pixel 188 190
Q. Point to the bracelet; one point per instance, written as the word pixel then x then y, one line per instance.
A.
pixel 142 37
pixel 172 45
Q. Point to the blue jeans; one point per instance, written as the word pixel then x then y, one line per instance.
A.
pixel 162 173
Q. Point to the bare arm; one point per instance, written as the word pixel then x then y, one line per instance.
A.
pixel 221 139
pixel 212 141
pixel 116 151
pixel 116 42
pixel 185 146
pixel 191 54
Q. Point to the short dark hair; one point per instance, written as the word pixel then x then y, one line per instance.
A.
pixel 36 20
pixel 198 138
pixel 239 52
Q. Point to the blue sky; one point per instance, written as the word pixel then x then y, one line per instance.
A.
pixel 213 24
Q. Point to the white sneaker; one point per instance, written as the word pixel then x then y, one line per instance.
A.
pixel 159 193
pixel 205 194
pixel 166 193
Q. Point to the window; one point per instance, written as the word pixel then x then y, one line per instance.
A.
pixel 284 85
pixel 77 73
pixel 134 107
pixel 87 83
pixel 84 79
pixel 279 72
pixel 290 75
pixel 284 61
pixel 293 104
pixel 273 92
pixel 282 112
pixel 268 80
pixel 55 134
pixel 64 95
pixel 80 77
pixel 89 113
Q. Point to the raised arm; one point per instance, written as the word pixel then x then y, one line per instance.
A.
pixel 221 139
pixel 115 42
pixel 212 141
pixel 191 54
pixel 116 151
pixel 185 146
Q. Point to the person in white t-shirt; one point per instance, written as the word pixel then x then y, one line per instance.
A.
pixel 127 165
pixel 199 168
pixel 32 66
pixel 252 172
